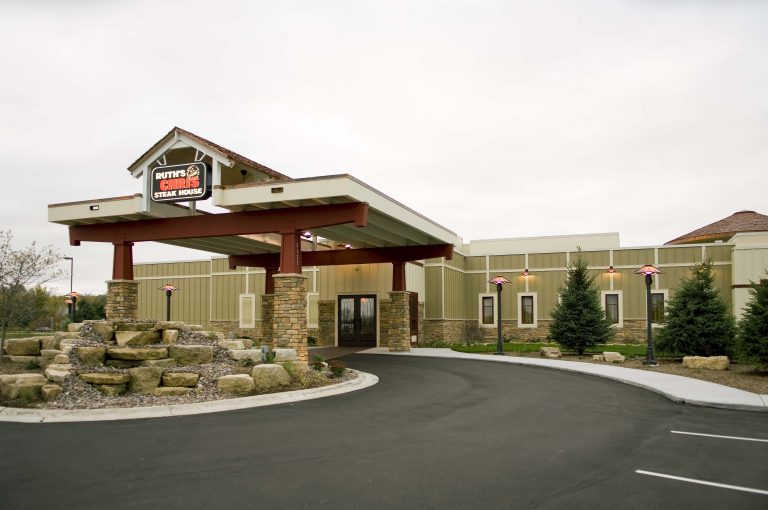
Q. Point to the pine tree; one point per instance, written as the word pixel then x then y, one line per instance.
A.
pixel 578 320
pixel 697 319
pixel 753 327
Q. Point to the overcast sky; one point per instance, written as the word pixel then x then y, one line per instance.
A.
pixel 493 118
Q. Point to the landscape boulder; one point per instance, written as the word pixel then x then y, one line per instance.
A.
pixel 166 325
pixel 51 391
pixel 74 327
pixel 191 354
pixel 137 353
pixel 186 379
pixel 134 326
pixel 270 376
pixel 232 344
pixel 105 377
pixel 550 352
pixel 91 355
pixel 613 357
pixel 251 354
pixel 58 372
pixel 706 362
pixel 24 386
pixel 105 329
pixel 170 336
pixel 171 391
pixel 22 346
pixel 112 390
pixel 49 342
pixel 239 384
pixel 137 337
pixel 144 379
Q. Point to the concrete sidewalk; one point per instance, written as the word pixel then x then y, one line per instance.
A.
pixel 676 388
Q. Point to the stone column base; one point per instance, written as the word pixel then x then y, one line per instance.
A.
pixel 289 314
pixel 397 322
pixel 122 300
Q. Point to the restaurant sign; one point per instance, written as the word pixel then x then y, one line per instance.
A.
pixel 180 183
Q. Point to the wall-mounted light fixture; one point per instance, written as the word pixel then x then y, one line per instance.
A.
pixel 306 235
pixel 611 270
pixel 525 272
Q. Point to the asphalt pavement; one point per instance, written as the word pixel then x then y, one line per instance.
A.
pixel 432 433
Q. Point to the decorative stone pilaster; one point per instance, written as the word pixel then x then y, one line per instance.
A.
pixel 122 300
pixel 398 323
pixel 267 312
pixel 289 313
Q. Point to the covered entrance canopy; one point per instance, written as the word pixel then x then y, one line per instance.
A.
pixel 272 221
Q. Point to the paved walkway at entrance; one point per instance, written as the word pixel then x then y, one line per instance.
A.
pixel 676 388
pixel 332 352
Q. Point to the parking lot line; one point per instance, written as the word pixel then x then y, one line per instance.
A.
pixel 703 482
pixel 719 437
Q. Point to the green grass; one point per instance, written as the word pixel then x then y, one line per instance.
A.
pixel 626 350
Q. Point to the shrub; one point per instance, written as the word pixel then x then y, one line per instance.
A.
pixel 337 367
pixel 311 340
pixel 697 319
pixel 578 320
pixel 317 363
pixel 753 327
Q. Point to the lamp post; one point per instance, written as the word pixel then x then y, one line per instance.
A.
pixel 71 273
pixel 168 288
pixel 649 270
pixel 73 298
pixel 499 281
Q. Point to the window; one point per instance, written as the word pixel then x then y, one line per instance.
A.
pixel 487 310
pixel 527 314
pixel 247 310
pixel 612 303
pixel 657 307
pixel 313 310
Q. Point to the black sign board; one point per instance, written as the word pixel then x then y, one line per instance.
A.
pixel 180 183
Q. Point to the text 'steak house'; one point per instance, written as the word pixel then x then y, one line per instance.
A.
pixel 333 258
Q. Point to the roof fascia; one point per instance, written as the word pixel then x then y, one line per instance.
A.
pixel 170 141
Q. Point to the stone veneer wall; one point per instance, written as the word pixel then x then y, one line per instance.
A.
pixel 395 322
pixel 289 314
pixel 233 327
pixel 326 332
pixel 122 300
pixel 267 303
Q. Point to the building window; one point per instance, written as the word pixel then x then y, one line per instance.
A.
pixel 657 307
pixel 313 309
pixel 247 310
pixel 487 310
pixel 612 303
pixel 527 314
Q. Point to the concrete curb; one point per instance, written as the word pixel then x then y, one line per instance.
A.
pixel 684 390
pixel 9 414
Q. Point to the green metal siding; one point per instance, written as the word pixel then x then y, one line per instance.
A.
pixel 474 263
pixel 680 255
pixel 433 298
pixel 633 257
pixel 719 253
pixel 546 260
pixel 594 258
pixel 507 262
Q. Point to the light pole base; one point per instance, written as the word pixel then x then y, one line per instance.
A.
pixel 650 363
pixel 497 353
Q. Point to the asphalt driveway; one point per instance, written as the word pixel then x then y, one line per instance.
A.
pixel 432 433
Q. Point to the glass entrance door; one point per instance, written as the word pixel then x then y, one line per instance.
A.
pixel 357 321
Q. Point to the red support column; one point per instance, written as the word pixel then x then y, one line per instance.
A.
pixel 122 261
pixel 269 282
pixel 290 253
pixel 398 276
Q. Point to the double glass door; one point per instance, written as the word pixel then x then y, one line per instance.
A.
pixel 357 321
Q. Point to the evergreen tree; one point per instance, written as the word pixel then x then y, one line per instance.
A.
pixel 753 327
pixel 578 320
pixel 697 319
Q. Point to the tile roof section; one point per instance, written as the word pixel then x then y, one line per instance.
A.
pixel 742 221
pixel 232 155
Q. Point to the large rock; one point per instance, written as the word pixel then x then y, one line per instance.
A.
pixel 144 379
pixel 91 355
pixel 137 337
pixel 65 335
pixel 134 326
pixel 51 391
pixel 58 372
pixel 74 327
pixel 61 358
pixel 137 353
pixel 162 363
pixel 171 391
pixel 191 354
pixel 550 352
pixel 24 386
pixel 106 377
pixel 706 362
pixel 112 390
pixel 232 344
pixel 165 325
pixel 613 357
pixel 49 354
pixel 269 376
pixel 283 354
pixel 105 329
pixel 119 363
pixel 22 346
pixel 239 384
pixel 247 342
pixel 49 342
pixel 186 379
pixel 170 336
pixel 251 354
pixel 25 359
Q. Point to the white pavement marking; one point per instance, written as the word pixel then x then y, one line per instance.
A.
pixel 703 482
pixel 719 437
